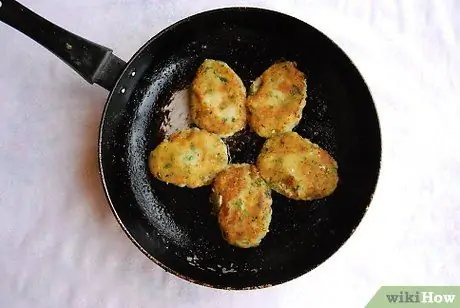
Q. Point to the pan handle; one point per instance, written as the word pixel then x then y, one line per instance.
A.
pixel 95 63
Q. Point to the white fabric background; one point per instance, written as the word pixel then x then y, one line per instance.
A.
pixel 61 247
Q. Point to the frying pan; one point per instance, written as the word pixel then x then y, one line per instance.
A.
pixel 175 226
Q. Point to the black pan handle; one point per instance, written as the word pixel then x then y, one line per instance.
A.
pixel 95 63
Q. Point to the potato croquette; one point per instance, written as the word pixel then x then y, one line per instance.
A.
pixel 190 157
pixel 276 99
pixel 243 205
pixel 218 99
pixel 297 168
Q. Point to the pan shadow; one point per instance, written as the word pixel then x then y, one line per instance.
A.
pixel 88 176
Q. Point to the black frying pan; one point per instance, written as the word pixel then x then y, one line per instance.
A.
pixel 174 226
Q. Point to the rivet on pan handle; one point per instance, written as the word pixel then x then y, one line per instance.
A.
pixel 95 63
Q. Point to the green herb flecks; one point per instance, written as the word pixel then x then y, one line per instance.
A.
pixel 223 79
pixel 259 182
pixel 238 203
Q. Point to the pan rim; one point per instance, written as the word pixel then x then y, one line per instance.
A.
pixel 127 70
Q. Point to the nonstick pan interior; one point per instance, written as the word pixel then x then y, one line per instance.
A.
pixel 175 226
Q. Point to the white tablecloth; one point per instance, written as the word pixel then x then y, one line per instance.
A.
pixel 60 245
